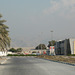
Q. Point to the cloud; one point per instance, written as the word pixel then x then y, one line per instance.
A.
pixel 61 7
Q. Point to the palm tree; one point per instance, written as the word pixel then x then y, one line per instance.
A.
pixel 4 36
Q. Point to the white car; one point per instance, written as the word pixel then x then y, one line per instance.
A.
pixel 36 53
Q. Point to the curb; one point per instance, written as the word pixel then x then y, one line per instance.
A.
pixel 59 62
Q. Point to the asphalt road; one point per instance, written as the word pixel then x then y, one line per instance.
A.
pixel 34 66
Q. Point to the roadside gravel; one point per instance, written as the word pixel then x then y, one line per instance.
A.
pixel 62 59
pixel 2 60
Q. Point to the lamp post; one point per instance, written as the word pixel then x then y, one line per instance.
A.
pixel 51 37
pixel 41 39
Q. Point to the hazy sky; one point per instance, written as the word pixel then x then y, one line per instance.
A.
pixel 32 20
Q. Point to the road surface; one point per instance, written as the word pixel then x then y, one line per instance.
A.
pixel 34 66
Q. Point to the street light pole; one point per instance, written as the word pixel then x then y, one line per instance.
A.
pixel 51 37
pixel 41 39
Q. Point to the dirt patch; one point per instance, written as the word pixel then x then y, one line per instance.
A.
pixel 2 59
pixel 67 59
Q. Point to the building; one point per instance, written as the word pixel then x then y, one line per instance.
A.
pixel 65 47
pixel 31 50
pixel 3 53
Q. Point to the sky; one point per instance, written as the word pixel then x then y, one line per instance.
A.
pixel 31 21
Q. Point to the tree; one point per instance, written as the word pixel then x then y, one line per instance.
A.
pixel 4 36
pixel 19 50
pixel 41 46
pixel 51 43
pixel 13 50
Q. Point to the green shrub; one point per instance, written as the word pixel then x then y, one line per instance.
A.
pixel 20 55
pixel 71 55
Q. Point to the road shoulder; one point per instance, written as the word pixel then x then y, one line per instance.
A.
pixel 59 59
pixel 3 60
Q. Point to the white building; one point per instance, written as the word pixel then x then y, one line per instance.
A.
pixel 3 53
pixel 65 47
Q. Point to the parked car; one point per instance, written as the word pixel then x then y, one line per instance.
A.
pixel 36 54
